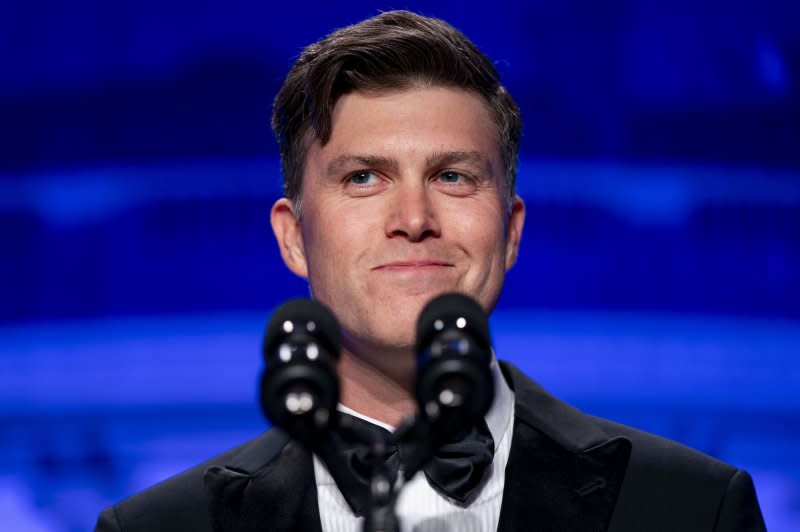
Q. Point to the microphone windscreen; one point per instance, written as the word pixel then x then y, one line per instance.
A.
pixel 452 310
pixel 311 317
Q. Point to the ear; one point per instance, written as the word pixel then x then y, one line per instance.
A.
pixel 516 220
pixel 286 227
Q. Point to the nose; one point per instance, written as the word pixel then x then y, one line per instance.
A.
pixel 412 214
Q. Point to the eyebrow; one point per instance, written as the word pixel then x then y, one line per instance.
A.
pixel 348 162
pixel 351 162
pixel 472 157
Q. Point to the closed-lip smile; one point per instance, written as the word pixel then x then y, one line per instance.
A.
pixel 412 264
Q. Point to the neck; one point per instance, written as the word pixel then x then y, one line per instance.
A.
pixel 378 386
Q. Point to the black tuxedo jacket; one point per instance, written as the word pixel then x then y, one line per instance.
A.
pixel 566 472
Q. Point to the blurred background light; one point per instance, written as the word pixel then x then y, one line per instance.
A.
pixel 657 285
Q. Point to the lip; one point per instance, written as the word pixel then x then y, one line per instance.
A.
pixel 408 265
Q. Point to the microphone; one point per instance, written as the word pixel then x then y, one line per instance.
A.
pixel 300 387
pixel 454 385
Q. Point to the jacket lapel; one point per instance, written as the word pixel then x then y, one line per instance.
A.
pixel 564 472
pixel 265 487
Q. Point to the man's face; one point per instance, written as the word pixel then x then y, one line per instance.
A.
pixel 406 201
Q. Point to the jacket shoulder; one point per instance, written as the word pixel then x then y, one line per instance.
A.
pixel 658 454
pixel 180 502
pixel 673 487
pixel 666 485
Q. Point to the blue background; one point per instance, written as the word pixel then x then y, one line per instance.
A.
pixel 658 280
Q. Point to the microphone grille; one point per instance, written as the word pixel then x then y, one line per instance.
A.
pixel 452 310
pixel 313 316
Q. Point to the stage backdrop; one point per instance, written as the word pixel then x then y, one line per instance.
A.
pixel 658 282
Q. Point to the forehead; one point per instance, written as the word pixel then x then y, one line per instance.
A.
pixel 416 120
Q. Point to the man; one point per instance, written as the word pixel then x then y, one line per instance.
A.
pixel 399 149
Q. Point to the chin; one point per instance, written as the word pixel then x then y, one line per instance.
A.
pixel 396 331
pixel 377 344
pixel 407 310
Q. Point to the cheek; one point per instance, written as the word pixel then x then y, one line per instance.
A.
pixel 482 231
pixel 318 246
pixel 334 247
pixel 483 237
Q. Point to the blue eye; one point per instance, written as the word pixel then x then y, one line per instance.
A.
pixel 363 177
pixel 451 177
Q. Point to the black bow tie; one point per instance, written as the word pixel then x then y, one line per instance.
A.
pixel 456 469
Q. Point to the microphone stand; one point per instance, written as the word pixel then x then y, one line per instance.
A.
pixel 422 436
pixel 381 515
pixel 379 499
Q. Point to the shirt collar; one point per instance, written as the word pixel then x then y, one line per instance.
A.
pixel 496 417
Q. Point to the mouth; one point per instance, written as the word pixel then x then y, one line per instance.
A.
pixel 411 265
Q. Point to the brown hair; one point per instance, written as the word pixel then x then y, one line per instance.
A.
pixel 395 50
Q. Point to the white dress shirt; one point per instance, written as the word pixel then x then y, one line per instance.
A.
pixel 420 508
